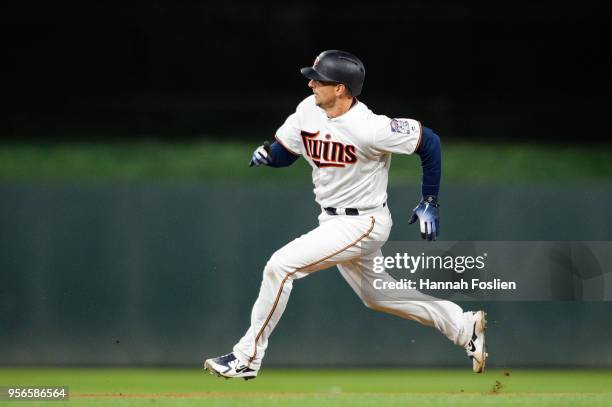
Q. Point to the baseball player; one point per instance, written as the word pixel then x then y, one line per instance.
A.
pixel 349 149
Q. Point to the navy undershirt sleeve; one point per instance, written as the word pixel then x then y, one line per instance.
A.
pixel 431 162
pixel 280 156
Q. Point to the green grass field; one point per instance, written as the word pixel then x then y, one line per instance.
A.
pixel 130 387
pixel 203 161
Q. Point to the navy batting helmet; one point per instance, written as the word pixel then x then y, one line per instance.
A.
pixel 337 66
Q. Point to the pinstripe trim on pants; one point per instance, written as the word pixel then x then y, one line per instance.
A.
pixel 280 289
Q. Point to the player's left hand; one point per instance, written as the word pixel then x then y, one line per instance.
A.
pixel 427 214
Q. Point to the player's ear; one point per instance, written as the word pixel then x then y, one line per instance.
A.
pixel 345 91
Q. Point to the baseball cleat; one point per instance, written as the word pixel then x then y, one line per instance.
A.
pixel 476 349
pixel 229 366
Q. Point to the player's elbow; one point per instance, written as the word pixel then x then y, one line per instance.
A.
pixel 435 140
pixel 430 143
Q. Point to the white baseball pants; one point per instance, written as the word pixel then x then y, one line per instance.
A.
pixel 351 243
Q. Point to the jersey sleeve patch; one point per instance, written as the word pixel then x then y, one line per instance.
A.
pixel 402 126
pixel 397 136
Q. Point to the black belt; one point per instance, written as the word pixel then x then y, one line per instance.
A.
pixel 347 211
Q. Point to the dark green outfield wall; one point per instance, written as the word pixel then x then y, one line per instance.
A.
pixel 166 274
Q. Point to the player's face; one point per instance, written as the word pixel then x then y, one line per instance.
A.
pixel 325 93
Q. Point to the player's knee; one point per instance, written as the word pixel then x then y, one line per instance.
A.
pixel 372 303
pixel 369 303
pixel 276 266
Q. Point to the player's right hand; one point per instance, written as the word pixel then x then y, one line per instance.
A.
pixel 261 155
pixel 429 219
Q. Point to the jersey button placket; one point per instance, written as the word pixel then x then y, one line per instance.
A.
pixel 324 174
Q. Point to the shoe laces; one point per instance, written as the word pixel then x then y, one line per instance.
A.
pixel 227 359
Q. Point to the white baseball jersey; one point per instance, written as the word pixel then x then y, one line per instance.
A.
pixel 350 155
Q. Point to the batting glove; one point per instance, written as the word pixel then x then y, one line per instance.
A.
pixel 427 214
pixel 261 156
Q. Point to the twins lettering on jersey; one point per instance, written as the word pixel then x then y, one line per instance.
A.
pixel 328 153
